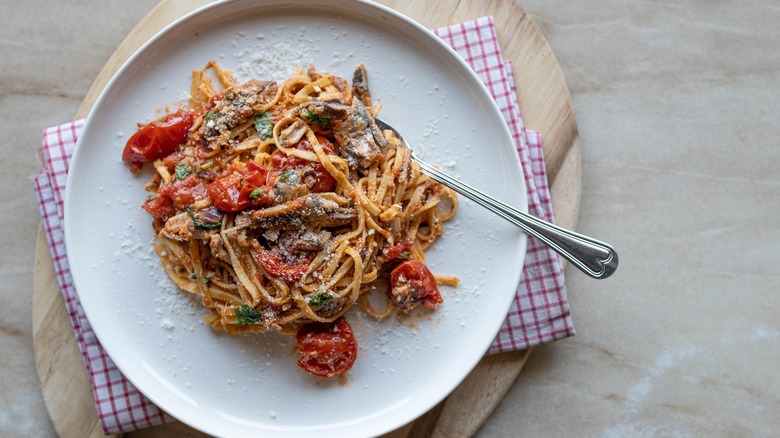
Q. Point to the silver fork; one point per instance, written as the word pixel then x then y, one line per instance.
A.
pixel 593 257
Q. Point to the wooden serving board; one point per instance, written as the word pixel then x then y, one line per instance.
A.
pixel 546 107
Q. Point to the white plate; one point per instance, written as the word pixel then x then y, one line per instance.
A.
pixel 245 385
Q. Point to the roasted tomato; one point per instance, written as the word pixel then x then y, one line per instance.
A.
pixel 185 191
pixel 157 139
pixel 398 250
pixel 289 269
pixel 178 194
pixel 160 207
pixel 327 350
pixel 410 283
pixel 238 188
pixel 314 175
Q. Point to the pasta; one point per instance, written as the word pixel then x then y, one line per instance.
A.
pixel 283 204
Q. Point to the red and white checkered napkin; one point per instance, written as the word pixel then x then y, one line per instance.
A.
pixel 540 310
pixel 539 313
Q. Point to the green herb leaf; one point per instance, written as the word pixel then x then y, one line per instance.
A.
pixel 320 300
pixel 246 315
pixel 263 125
pixel 255 193
pixel 212 115
pixel 289 175
pixel 324 122
pixel 404 255
pixel 203 224
pixel 182 171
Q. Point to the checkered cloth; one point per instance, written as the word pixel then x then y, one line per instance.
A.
pixel 539 313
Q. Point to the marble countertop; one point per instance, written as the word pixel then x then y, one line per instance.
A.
pixel 677 104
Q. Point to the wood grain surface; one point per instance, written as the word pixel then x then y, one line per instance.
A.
pixel 546 107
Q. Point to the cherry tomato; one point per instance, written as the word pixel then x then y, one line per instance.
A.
pixel 314 175
pixel 411 282
pixel 277 266
pixel 171 160
pixel 327 350
pixel 185 191
pixel 160 207
pixel 157 139
pixel 399 248
pixel 238 188
pixel 318 180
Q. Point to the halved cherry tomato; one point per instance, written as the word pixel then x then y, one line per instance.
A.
pixel 314 175
pixel 160 207
pixel 411 282
pixel 396 250
pixel 172 160
pixel 157 139
pixel 277 266
pixel 240 187
pixel 184 192
pixel 327 350
pixel 318 180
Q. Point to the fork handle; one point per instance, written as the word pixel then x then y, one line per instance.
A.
pixel 593 257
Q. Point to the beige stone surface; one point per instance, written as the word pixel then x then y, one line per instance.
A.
pixel 50 52
pixel 678 106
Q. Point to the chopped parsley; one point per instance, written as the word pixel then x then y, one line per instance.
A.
pixel 246 315
pixel 255 193
pixel 320 300
pixel 202 223
pixel 182 171
pixel 324 122
pixel 205 225
pixel 212 115
pixel 263 124
pixel 288 176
